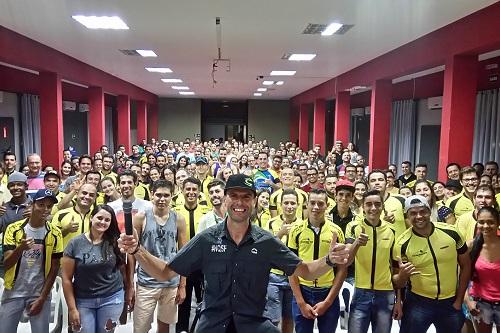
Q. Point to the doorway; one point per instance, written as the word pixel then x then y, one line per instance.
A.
pixel 224 120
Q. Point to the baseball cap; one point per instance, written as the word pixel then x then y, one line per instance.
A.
pixel 17 177
pixel 201 160
pixel 51 173
pixel 416 201
pixel 345 184
pixel 240 181
pixel 44 193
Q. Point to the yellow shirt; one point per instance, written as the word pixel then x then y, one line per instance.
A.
pixel 435 257
pixel 460 204
pixel 192 217
pixel 275 202
pixel 309 245
pixel 374 260
pixel 274 226
pixel 64 217
pixel 142 191
pixel 466 225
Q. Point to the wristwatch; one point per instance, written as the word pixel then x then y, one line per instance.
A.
pixel 329 263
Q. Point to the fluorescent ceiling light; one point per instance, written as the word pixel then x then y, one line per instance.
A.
pixel 283 73
pixel 159 69
pixel 186 92
pixel 101 22
pixel 268 83
pixel 262 89
pixel 279 83
pixel 257 94
pixel 147 53
pixel 301 56
pixel 331 29
pixel 180 87
pixel 172 80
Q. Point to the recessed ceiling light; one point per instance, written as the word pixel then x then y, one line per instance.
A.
pixel 268 83
pixel 262 89
pixel 180 87
pixel 257 94
pixel 186 92
pixel 301 56
pixel 172 80
pixel 101 22
pixel 158 69
pixel 331 29
pixel 283 73
pixel 279 83
pixel 147 53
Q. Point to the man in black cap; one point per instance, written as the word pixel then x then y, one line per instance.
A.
pixel 235 258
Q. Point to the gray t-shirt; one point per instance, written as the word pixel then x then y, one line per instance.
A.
pixel 96 273
pixel 30 279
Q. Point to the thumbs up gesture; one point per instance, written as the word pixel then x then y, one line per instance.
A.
pixel 338 253
pixel 406 269
pixel 389 216
pixel 362 237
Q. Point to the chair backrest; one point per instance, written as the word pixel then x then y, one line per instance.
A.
pixel 1 287
pixel 342 295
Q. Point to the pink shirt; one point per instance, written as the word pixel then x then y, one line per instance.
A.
pixel 487 284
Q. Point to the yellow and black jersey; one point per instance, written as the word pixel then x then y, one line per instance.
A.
pixel 178 200
pixel 395 204
pixel 460 204
pixel 310 244
pixel 60 195
pixel 374 260
pixel 204 188
pixel 65 216
pixel 262 219
pixel 412 183
pixel 192 217
pixel 330 204
pixel 142 191
pixel 435 257
pixel 275 202
pixel 111 175
pixel 274 226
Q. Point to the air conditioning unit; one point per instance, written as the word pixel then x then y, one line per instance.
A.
pixel 434 103
pixel 69 106
pixel 83 107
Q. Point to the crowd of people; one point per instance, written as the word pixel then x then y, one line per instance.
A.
pixel 262 237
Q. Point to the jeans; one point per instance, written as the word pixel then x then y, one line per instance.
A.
pixel 11 311
pixel 420 312
pixel 279 298
pixel 327 322
pixel 95 312
pixel 371 307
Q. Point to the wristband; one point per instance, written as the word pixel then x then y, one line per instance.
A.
pixel 329 263
pixel 136 249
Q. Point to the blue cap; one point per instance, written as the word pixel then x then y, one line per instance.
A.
pixel 44 193
pixel 201 160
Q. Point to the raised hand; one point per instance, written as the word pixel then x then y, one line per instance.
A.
pixel 389 216
pixel 128 243
pixel 362 237
pixel 338 253
pixel 406 270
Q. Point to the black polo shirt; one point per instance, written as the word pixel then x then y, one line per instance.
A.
pixel 236 276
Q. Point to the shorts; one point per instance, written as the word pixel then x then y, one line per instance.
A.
pixel 279 298
pixel 145 304
pixel 489 313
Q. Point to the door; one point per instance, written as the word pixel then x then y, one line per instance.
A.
pixel 429 149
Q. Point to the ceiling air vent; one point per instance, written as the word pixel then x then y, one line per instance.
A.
pixel 130 52
pixel 344 29
pixel 314 29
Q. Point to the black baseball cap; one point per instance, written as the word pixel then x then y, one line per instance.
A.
pixel 201 160
pixel 240 181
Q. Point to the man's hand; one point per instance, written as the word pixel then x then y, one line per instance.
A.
pixel 128 243
pixel 27 243
pixel 27 212
pixel 181 295
pixel 362 237
pixel 307 311
pixel 321 307
pixel 285 229
pixel 71 227
pixel 389 216
pixel 338 253
pixel 397 312
pixel 406 270
pixel 36 307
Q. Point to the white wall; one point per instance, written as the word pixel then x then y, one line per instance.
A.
pixel 179 118
pixel 425 116
pixel 269 120
pixel 9 108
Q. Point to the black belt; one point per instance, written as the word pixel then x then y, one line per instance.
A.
pixel 478 299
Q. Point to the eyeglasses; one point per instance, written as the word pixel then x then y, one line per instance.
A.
pixel 470 180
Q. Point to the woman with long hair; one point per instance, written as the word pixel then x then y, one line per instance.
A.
pixel 483 297
pixel 224 173
pixel 424 188
pixel 182 162
pixel 360 188
pixel 261 211
pixel 93 274
pixel 108 187
pixel 438 188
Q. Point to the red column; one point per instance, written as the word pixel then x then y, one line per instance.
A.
pixel 294 123
pixel 304 127
pixel 319 123
pixel 380 124
pixel 153 121
pixel 97 119
pixel 51 119
pixel 123 108
pixel 142 121
pixel 342 116
pixel 457 118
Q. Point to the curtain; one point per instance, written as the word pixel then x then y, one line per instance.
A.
pixel 109 128
pixel 403 132
pixel 30 124
pixel 486 145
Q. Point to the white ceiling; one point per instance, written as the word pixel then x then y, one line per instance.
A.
pixel 255 34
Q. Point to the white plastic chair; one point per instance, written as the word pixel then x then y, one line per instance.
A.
pixel 1 287
pixel 344 315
